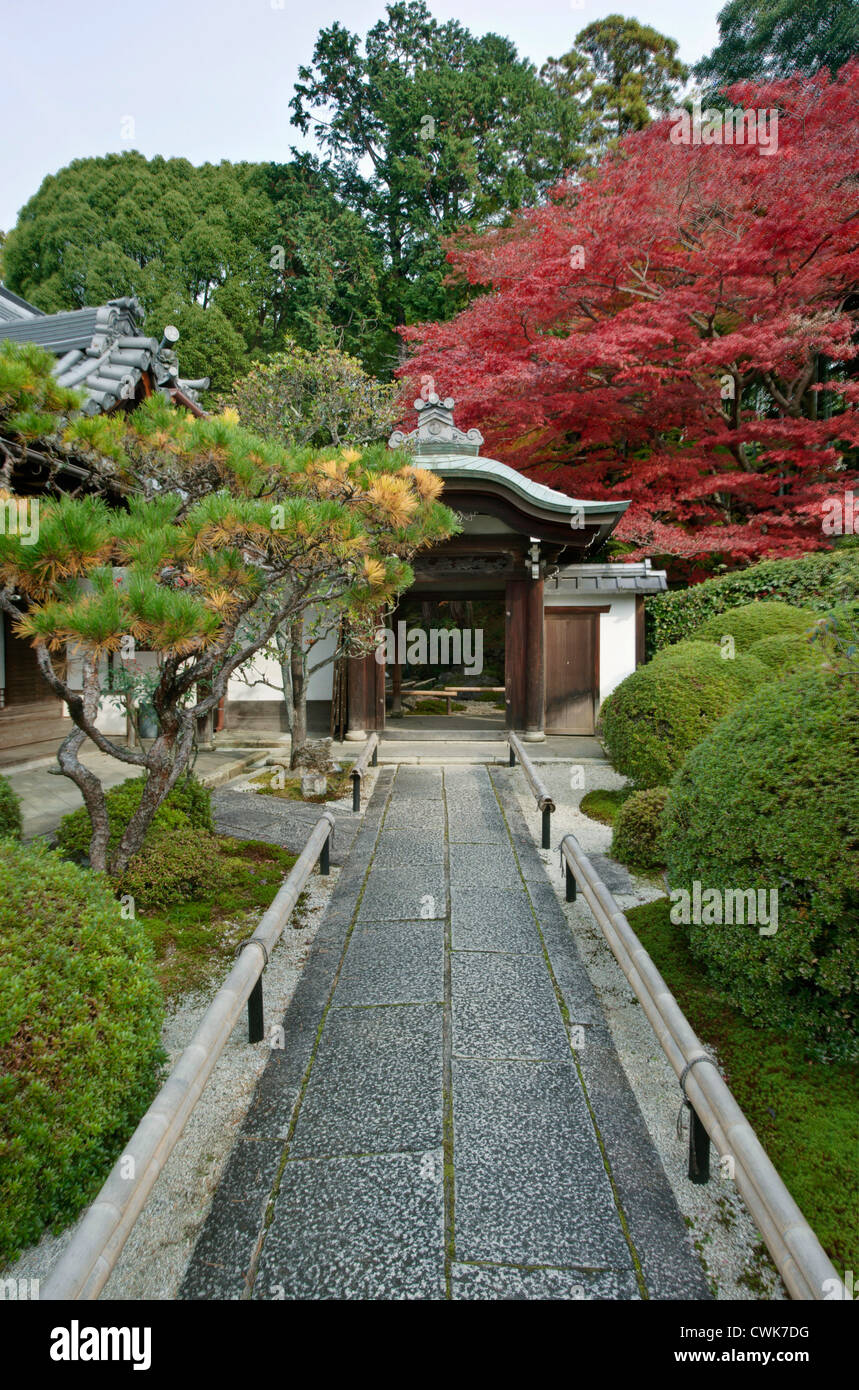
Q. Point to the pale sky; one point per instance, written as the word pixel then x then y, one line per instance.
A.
pixel 212 79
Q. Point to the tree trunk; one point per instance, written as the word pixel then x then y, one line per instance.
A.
pixel 89 785
pixel 298 674
pixel 168 758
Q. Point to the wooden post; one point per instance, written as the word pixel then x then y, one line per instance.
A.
pixel 515 651
pixel 396 687
pixel 359 716
pixel 366 696
pixel 535 665
pixel 639 630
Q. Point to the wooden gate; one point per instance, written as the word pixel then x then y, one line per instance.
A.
pixel 572 669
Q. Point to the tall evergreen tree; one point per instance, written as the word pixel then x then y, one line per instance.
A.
pixel 241 257
pixel 767 39
pixel 428 128
pixel 620 73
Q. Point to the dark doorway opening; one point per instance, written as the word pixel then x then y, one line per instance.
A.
pixel 447 642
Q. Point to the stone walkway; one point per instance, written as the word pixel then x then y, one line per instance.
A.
pixel 448 1117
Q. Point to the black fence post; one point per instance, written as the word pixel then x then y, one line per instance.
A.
pixel 325 856
pixel 256 1026
pixel 512 762
pixel 356 793
pixel 547 828
pixel 699 1149
pixel 571 883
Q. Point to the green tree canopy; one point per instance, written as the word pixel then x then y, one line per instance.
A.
pixel 223 539
pixel 621 73
pixel 242 257
pixel 775 38
pixel 320 398
pixel 427 128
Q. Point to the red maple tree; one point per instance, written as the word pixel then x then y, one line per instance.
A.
pixel 681 331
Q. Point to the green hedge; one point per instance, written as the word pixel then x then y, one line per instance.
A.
pixel 637 838
pixel 80 1051
pixel 786 652
pixel 751 622
pixel 816 581
pixel 657 715
pixel 189 799
pixel 769 801
pixel 10 811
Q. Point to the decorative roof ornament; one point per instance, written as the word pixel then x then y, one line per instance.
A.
pixel 436 433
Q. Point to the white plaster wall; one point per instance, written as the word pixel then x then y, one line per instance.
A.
pixel 111 711
pixel 266 669
pixel 262 668
pixel 617 632
pixel 111 717
pixel 321 685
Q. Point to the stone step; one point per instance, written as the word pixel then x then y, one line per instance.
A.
pixel 454 735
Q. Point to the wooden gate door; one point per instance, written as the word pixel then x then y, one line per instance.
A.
pixel 572 669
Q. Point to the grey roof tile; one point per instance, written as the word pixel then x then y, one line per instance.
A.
pixel 13 307
pixel 100 350
pixel 609 578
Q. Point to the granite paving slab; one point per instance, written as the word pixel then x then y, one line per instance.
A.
pixel 384 1065
pixel 393 963
pixel 504 1006
pixel 403 894
pixel 251 816
pixel 448 1117
pixel 497 1282
pixel 357 1228
pixel 531 1185
pixel 489 920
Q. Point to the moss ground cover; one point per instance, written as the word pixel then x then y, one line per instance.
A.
pixel 805 1112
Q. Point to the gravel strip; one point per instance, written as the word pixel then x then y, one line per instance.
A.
pixel 735 1260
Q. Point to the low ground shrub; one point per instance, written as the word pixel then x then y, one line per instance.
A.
pixel 189 799
pixel 10 811
pixel 815 581
pixel 603 803
pixel 753 621
pixel 80 1053
pixel 637 838
pixel 655 717
pixel 173 867
pixel 786 652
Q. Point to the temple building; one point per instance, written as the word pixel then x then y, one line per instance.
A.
pixel 573 627
pixel 557 626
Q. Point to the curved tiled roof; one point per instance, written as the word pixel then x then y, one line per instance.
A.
pixel 438 444
pixel 13 307
pixel 102 351
pixel 461 467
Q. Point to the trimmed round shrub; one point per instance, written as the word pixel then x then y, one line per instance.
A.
pixel 80 1050
pixel 637 838
pixel 753 621
pixel 173 867
pixel 10 811
pixel 769 802
pixel 786 652
pixel 655 717
pixel 189 799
